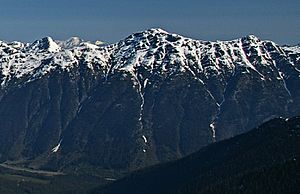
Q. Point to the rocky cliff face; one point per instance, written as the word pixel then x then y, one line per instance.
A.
pixel 151 97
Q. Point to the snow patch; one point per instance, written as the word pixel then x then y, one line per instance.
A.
pixel 110 179
pixel 144 138
pixel 213 130
pixel 56 148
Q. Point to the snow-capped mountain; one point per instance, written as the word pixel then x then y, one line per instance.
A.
pixel 70 43
pixel 152 97
pixel 154 49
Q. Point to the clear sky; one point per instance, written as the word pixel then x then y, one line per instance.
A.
pixel 113 20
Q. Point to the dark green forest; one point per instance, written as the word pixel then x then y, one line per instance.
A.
pixel 264 160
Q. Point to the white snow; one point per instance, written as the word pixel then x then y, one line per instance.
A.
pixel 212 127
pixel 144 138
pixel 17 45
pixel 110 179
pixel 90 45
pixel 98 43
pixel 70 43
pixel 26 60
pixel 281 78
pixel 44 44
pixel 293 49
pixel 245 61
pixel 53 47
pixel 56 148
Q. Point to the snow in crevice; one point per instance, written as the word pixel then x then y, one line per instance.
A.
pixel 56 148
pixel 144 138
pixel 79 108
pixel 245 60
pixel 110 179
pixel 202 83
pixel 212 127
pixel 213 124
pixel 281 77
pixel 280 69
pixel 215 118
pixel 141 93
pixel 140 90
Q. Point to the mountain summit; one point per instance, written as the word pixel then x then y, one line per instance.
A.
pixel 44 44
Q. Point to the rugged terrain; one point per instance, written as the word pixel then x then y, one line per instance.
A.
pixel 150 98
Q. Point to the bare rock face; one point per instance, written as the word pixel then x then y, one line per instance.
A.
pixel 149 98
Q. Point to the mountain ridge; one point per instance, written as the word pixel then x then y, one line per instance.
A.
pixel 150 98
pixel 134 39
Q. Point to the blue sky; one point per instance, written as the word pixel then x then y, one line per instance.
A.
pixel 113 20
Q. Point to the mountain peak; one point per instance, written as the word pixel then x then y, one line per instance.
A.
pixel 157 30
pixel 151 31
pixel 251 38
pixel 44 44
pixel 152 37
pixel 71 42
pixel 74 39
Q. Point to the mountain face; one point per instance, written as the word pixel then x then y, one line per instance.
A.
pixel 152 97
pixel 264 160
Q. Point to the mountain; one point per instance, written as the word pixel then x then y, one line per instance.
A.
pixel 264 160
pixel 70 43
pixel 150 98
pixel 76 42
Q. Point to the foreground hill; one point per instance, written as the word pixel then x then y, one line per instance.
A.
pixel 264 160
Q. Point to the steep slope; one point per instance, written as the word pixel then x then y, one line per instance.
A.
pixel 149 98
pixel 264 160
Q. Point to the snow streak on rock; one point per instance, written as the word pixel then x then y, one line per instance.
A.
pixel 56 148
